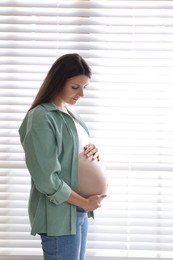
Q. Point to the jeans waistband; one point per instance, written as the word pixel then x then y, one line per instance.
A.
pixel 81 209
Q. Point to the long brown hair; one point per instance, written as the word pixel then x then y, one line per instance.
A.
pixel 65 67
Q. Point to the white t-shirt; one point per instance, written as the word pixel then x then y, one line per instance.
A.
pixel 82 136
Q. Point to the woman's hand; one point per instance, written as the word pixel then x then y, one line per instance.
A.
pixel 90 150
pixel 88 204
pixel 93 202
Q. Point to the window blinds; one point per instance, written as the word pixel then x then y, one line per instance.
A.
pixel 128 109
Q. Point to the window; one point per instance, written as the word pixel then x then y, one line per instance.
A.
pixel 128 109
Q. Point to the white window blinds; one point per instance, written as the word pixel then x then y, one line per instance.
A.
pixel 128 109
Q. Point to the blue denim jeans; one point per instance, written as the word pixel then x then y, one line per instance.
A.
pixel 70 247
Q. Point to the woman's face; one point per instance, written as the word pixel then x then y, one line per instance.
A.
pixel 73 90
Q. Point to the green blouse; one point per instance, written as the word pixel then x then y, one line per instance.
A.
pixel 50 142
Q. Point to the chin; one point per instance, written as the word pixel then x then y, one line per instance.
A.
pixel 73 101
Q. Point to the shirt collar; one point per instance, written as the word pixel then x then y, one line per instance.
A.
pixel 50 106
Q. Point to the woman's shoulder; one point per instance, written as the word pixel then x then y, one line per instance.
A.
pixel 43 115
pixel 44 110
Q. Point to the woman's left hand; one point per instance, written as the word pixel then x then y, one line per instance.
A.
pixel 90 150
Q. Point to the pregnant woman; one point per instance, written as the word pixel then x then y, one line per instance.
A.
pixel 67 179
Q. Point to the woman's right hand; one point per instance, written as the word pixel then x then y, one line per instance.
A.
pixel 93 202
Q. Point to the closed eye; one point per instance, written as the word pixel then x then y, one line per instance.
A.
pixel 75 87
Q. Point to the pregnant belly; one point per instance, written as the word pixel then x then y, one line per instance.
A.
pixel 92 177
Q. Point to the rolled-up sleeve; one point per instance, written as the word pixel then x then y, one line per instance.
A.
pixel 59 196
pixel 42 150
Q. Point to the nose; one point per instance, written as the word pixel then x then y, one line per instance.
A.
pixel 81 92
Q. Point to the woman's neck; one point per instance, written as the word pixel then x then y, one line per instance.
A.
pixel 61 107
pixel 60 104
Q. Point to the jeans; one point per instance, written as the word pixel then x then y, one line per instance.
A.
pixel 69 247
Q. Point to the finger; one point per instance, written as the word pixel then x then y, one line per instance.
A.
pixel 87 148
pixel 94 149
pixel 90 148
pixel 96 156
pixel 90 152
pixel 103 196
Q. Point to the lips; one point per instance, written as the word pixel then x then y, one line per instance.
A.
pixel 75 99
